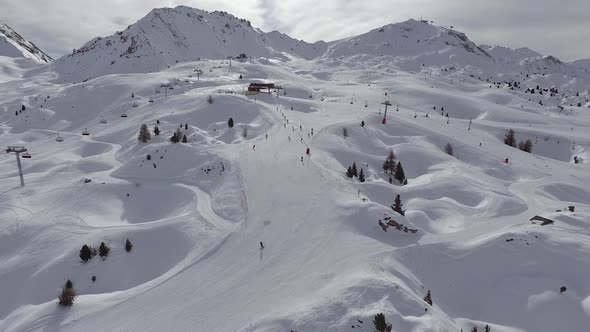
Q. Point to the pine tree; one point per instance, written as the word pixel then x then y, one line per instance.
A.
pixel 354 170
pixel 174 138
pixel 389 164
pixel 449 149
pixel 509 138
pixel 428 298
pixel 349 172
pixel 156 131
pixel 487 328
pixel 103 250
pixel 128 245
pixel 68 294
pixel 184 140
pixel 345 132
pixel 132 95
pixel 381 324
pixel 85 253
pixel 361 176
pixel 528 146
pixel 230 122
pixel 186 126
pixel 397 205
pixel 144 134
pixel 399 173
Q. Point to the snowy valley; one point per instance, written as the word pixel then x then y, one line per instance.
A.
pixel 254 224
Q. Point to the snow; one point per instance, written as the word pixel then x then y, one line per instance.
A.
pixel 14 45
pixel 196 211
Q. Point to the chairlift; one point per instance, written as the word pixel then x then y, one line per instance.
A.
pixel 103 120
pixel 59 139
pixel 123 115
pixel 85 132
pixel 26 155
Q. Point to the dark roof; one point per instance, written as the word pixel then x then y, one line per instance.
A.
pixel 544 220
pixel 262 85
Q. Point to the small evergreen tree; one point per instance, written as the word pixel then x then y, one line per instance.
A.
pixel 528 146
pixel 132 95
pixel 103 250
pixel 128 245
pixel 381 324
pixel 354 170
pixel 230 122
pixel 186 126
pixel 399 173
pixel 156 131
pixel 487 328
pixel 397 205
pixel 449 149
pixel 174 138
pixel 68 294
pixel 23 108
pixel 144 134
pixel 344 132
pixel 509 138
pixel 85 253
pixel 361 176
pixel 349 172
pixel 428 298
pixel 184 140
pixel 389 163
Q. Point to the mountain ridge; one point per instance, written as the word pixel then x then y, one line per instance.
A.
pixel 12 44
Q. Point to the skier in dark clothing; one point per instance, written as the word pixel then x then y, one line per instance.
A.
pixel 261 245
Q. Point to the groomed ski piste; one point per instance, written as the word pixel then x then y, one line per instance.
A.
pixel 196 212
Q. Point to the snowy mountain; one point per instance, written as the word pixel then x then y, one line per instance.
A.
pixel 508 55
pixel 259 226
pixel 414 42
pixel 167 36
pixel 14 45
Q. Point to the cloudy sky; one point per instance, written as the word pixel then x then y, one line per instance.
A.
pixel 560 28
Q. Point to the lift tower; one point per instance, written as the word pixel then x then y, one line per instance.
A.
pixel 18 150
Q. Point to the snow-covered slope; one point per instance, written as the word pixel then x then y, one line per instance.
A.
pixel 14 45
pixel 167 36
pixel 197 212
pixel 413 42
pixel 508 55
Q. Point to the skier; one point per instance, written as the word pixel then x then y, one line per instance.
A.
pixel 261 245
pixel 254 147
pixel 506 161
pixel 266 136
pixel 363 123
pixel 302 159
pixel 307 152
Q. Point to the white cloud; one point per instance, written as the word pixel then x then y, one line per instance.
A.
pixel 550 27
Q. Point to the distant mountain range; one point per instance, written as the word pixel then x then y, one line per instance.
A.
pixel 167 36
